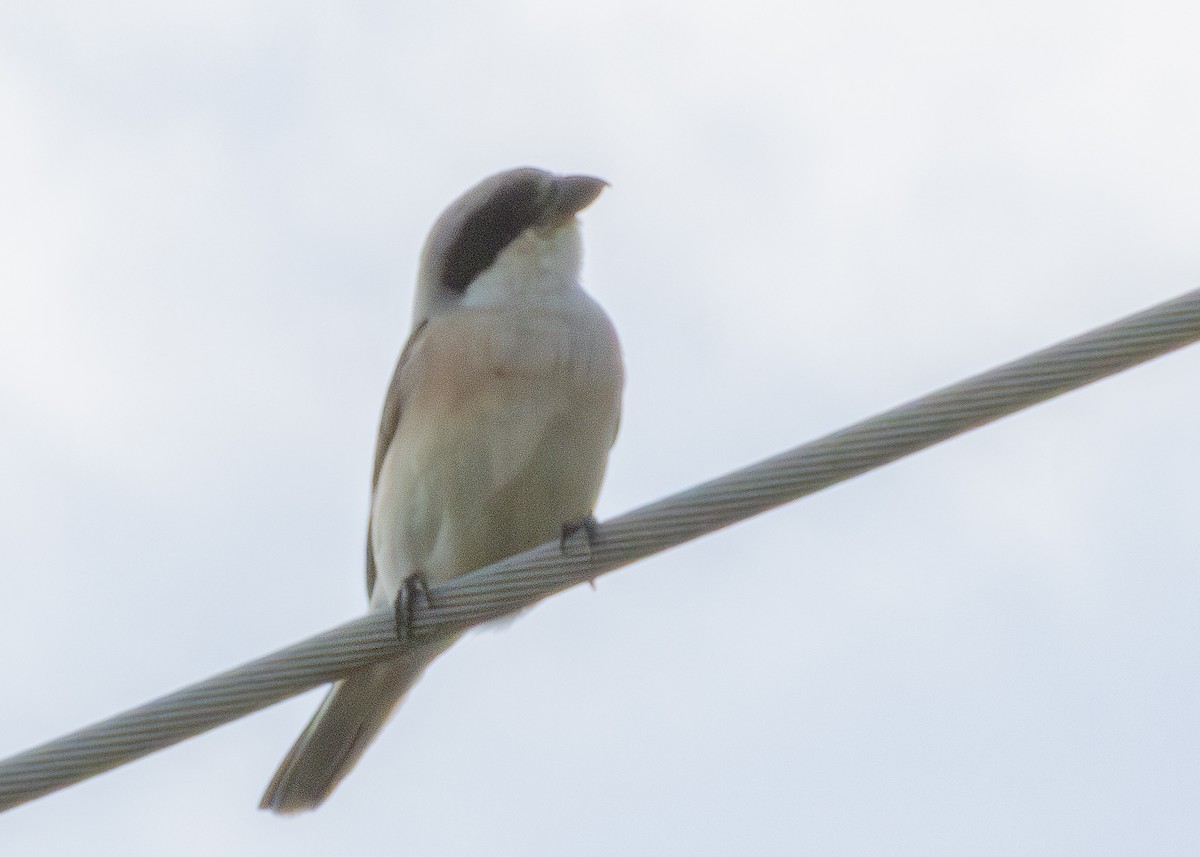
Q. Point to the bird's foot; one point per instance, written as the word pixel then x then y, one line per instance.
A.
pixel 582 534
pixel 406 599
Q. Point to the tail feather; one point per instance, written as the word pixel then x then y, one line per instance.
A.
pixel 348 720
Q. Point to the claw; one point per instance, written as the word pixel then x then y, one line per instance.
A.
pixel 406 599
pixel 591 530
pixel 590 527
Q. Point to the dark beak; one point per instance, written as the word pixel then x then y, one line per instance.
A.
pixel 572 194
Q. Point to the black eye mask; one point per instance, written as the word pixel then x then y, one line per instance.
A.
pixel 486 231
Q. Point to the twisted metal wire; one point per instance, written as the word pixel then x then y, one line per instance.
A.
pixel 526 578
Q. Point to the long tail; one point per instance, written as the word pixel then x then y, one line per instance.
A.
pixel 347 721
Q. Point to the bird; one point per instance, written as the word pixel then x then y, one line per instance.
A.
pixel 494 438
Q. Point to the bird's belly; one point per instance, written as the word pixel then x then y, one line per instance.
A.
pixel 494 459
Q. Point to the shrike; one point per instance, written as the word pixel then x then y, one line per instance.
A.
pixel 494 438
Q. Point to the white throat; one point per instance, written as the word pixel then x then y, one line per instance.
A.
pixel 535 268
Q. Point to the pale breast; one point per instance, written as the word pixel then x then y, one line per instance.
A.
pixel 503 437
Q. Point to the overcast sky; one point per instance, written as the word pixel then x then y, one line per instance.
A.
pixel 209 220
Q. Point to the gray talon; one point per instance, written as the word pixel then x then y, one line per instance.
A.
pixel 406 600
pixel 590 527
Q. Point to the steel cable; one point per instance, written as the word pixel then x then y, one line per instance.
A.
pixel 526 578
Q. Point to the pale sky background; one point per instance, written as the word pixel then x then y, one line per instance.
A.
pixel 210 219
